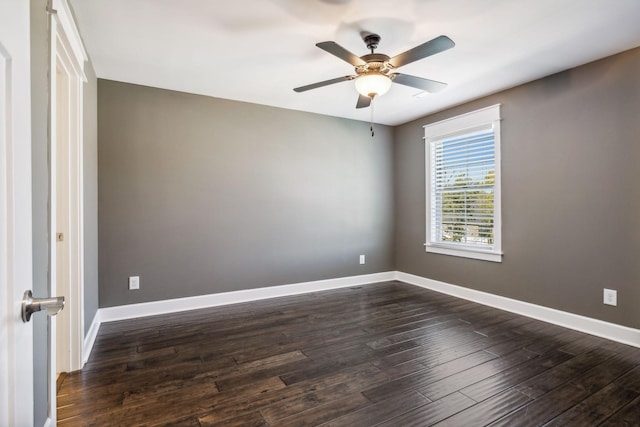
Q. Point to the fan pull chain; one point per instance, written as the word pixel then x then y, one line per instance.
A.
pixel 371 126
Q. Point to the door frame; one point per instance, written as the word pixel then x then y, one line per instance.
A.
pixel 67 56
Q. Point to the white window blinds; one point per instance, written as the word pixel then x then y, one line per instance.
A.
pixel 462 196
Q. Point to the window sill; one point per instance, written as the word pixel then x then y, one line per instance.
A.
pixel 465 253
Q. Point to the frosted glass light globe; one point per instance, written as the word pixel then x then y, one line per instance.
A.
pixel 376 84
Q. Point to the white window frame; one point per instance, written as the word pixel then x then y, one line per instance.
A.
pixel 466 123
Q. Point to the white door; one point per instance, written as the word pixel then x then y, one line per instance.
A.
pixel 16 349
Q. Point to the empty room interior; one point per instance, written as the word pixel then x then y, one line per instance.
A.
pixel 336 212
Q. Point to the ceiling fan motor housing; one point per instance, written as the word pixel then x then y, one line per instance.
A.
pixel 375 57
pixel 375 63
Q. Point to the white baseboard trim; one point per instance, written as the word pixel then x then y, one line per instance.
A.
pixel 131 311
pixel 588 325
pixel 90 337
pixel 48 423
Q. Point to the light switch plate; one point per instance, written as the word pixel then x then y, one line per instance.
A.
pixel 134 282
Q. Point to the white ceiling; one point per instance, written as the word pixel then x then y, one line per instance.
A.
pixel 259 50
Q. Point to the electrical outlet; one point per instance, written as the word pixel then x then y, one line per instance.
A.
pixel 610 297
pixel 361 259
pixel 134 282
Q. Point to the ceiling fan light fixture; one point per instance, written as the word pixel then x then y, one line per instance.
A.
pixel 373 84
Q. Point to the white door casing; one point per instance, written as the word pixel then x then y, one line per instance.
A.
pixel 16 351
pixel 67 77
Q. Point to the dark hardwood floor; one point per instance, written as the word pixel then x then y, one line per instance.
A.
pixel 385 354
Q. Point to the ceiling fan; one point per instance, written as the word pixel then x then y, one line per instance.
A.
pixel 376 71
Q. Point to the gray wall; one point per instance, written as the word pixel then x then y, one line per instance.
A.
pixel 200 195
pixel 571 193
pixel 90 188
pixel 40 198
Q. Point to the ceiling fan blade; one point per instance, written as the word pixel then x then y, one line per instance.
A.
pixel 342 53
pixel 323 83
pixel 437 45
pixel 363 101
pixel 418 82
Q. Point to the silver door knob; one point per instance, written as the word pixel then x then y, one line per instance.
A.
pixel 31 305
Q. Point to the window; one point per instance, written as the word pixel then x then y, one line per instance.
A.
pixel 463 185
